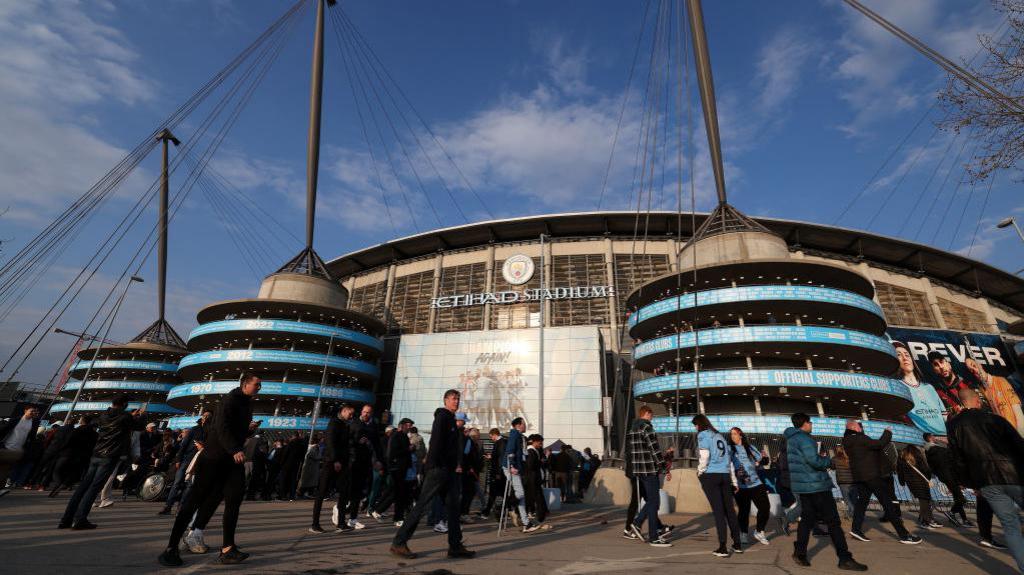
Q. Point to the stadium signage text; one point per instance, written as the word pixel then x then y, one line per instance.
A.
pixel 527 295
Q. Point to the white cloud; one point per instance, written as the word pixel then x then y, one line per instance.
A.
pixel 57 61
pixel 872 63
pixel 779 68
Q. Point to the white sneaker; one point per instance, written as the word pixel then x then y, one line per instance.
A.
pixel 744 538
pixel 194 542
pixel 106 503
pixel 398 523
pixel 441 527
pixel 377 516
pixel 355 524
pixel 761 537
pixel 334 516
pixel 530 527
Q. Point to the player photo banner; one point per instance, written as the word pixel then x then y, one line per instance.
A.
pixel 936 364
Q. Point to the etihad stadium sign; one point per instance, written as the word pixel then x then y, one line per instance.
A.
pixel 527 295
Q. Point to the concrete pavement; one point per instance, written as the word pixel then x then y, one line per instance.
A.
pixel 585 539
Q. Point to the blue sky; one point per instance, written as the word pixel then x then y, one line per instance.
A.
pixel 525 96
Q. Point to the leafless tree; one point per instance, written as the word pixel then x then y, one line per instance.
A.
pixel 997 130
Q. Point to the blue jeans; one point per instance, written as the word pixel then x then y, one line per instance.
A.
pixel 178 488
pixel 88 489
pixel 518 491
pixel 650 490
pixel 1006 502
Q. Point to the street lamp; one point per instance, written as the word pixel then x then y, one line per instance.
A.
pixel 101 340
pixel 1011 222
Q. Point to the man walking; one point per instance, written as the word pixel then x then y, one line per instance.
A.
pixel 810 481
pixel 495 475
pixel 443 475
pixel 866 465
pixel 647 460
pixel 115 436
pixel 219 473
pixel 399 460
pixel 940 460
pixel 15 436
pixel 190 445
pixel 512 460
pixel 335 468
pixel 989 453
pixel 364 438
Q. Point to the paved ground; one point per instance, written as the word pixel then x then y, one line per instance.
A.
pixel 584 540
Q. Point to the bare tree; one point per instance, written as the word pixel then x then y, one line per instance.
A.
pixel 997 130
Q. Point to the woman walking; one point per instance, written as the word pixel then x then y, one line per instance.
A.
pixel 913 471
pixel 716 479
pixel 747 462
pixel 844 478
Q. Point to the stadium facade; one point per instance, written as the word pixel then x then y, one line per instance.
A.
pixel 476 307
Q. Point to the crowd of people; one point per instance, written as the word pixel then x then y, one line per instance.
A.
pixel 368 468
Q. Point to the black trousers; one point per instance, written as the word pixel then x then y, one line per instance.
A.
pixel 535 502
pixel 330 478
pixel 959 501
pixel 437 480
pixel 985 515
pixel 815 507
pixel 759 496
pixel 398 493
pixel 289 481
pixel 272 481
pixel 257 478
pixel 883 493
pixel 358 482
pixel 495 487
pixel 215 480
pixel 718 489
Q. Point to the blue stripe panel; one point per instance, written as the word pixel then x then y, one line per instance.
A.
pixel 127 365
pixel 766 333
pixel 94 384
pixel 286 326
pixel 755 293
pixel 279 356
pixel 277 422
pixel 103 405
pixel 222 387
pixel 838 380
pixel 823 426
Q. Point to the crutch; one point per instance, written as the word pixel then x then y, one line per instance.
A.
pixel 502 521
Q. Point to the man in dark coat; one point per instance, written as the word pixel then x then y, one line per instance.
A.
pixel 867 464
pixel 114 441
pixel 291 461
pixel 335 467
pixel 533 478
pixel 366 442
pixel 940 459
pixel 219 472
pixel 495 477
pixel 989 455
pixel 74 456
pixel 443 472
pixel 43 475
pixel 398 456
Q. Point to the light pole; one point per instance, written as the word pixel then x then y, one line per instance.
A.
pixel 101 339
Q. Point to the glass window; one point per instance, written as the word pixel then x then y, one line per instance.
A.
pixel 461 280
pixel 517 315
pixel 903 306
pixel 962 317
pixel 578 271
pixel 369 299
pixel 632 271
pixel 410 302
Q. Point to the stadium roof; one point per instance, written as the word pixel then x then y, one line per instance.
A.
pixel 961 272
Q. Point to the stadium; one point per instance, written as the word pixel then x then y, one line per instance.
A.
pixel 531 316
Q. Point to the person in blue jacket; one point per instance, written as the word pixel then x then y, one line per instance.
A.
pixel 810 481
pixel 512 465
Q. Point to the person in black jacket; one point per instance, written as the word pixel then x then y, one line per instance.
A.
pixel 989 455
pixel 335 467
pixel 940 460
pixel 114 440
pixel 444 468
pixel 43 474
pixel 366 443
pixel 867 463
pixel 495 477
pixel 399 460
pixel 219 473
pixel 533 478
pixel 190 445
pixel 291 461
pixel 74 456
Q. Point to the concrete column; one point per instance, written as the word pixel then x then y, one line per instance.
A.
pixel 673 255
pixel 489 285
pixel 389 287
pixel 613 301
pixel 990 318
pixel 438 267
pixel 933 302
pixel 350 285
pixel 548 257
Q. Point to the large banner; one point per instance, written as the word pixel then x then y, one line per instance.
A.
pixel 936 364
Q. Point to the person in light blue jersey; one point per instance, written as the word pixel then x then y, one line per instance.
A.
pixel 714 471
pixel 746 463
pixel 928 408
